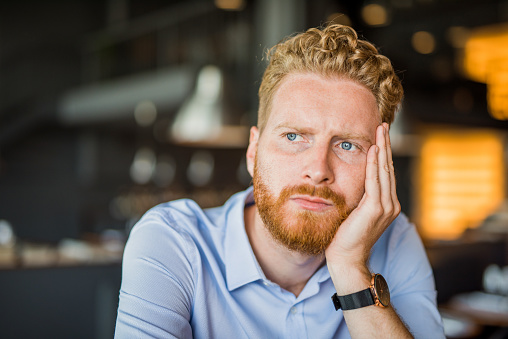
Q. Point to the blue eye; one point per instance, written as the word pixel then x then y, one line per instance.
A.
pixel 346 145
pixel 291 136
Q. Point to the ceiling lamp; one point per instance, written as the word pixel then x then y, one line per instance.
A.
pixel 486 61
pixel 200 120
pixel 200 117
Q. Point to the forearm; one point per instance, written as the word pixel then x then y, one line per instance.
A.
pixel 375 322
pixel 370 321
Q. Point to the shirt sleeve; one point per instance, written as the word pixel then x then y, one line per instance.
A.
pixel 412 287
pixel 157 281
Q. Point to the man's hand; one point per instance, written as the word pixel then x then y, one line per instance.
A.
pixel 347 255
pixel 350 249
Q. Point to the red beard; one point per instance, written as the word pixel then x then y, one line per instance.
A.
pixel 305 231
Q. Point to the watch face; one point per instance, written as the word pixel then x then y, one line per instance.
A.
pixel 382 291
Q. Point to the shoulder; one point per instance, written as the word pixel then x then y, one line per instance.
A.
pixel 165 233
pixel 185 216
pixel 159 271
pixel 181 228
pixel 179 216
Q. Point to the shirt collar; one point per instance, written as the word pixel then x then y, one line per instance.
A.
pixel 242 266
pixel 240 261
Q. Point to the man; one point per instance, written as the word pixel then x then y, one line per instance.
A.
pixel 320 220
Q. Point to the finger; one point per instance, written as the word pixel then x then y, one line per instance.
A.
pixel 372 188
pixel 393 181
pixel 384 170
pixel 393 186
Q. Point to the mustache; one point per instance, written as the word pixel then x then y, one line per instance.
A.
pixel 323 192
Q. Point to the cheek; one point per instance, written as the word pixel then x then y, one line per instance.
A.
pixel 352 183
pixel 278 168
pixel 271 173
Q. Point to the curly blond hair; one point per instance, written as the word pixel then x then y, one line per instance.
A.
pixel 333 51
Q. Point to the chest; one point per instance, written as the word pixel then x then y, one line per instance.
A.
pixel 263 310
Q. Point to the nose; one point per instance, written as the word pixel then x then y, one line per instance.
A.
pixel 318 167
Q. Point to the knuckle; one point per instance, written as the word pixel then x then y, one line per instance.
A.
pixel 397 209
pixel 379 212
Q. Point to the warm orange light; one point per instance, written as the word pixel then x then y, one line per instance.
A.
pixel 486 60
pixel 339 18
pixel 375 14
pixel 497 89
pixel 461 181
pixel 485 45
pixel 230 5
pixel 458 36
pixel 423 42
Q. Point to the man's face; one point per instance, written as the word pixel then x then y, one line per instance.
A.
pixel 308 165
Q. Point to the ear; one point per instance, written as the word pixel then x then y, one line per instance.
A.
pixel 252 149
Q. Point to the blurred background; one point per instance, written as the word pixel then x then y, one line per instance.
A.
pixel 108 108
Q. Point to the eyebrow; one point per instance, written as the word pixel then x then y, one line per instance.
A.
pixel 356 136
pixel 304 129
pixel 344 135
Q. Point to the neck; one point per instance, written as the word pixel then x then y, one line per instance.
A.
pixel 289 269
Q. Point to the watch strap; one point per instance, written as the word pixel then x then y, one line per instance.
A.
pixel 353 301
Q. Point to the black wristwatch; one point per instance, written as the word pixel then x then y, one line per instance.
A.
pixel 377 294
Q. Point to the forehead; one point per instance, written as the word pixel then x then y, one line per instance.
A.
pixel 313 99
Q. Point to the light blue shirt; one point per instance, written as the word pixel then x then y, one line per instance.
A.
pixel 189 272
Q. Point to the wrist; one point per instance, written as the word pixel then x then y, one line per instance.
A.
pixel 349 278
pixel 377 294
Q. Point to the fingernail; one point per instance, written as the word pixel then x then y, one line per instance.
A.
pixel 377 149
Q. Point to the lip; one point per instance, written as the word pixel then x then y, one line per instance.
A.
pixel 311 203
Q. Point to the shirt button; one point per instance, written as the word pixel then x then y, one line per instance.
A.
pixel 265 283
pixel 294 310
